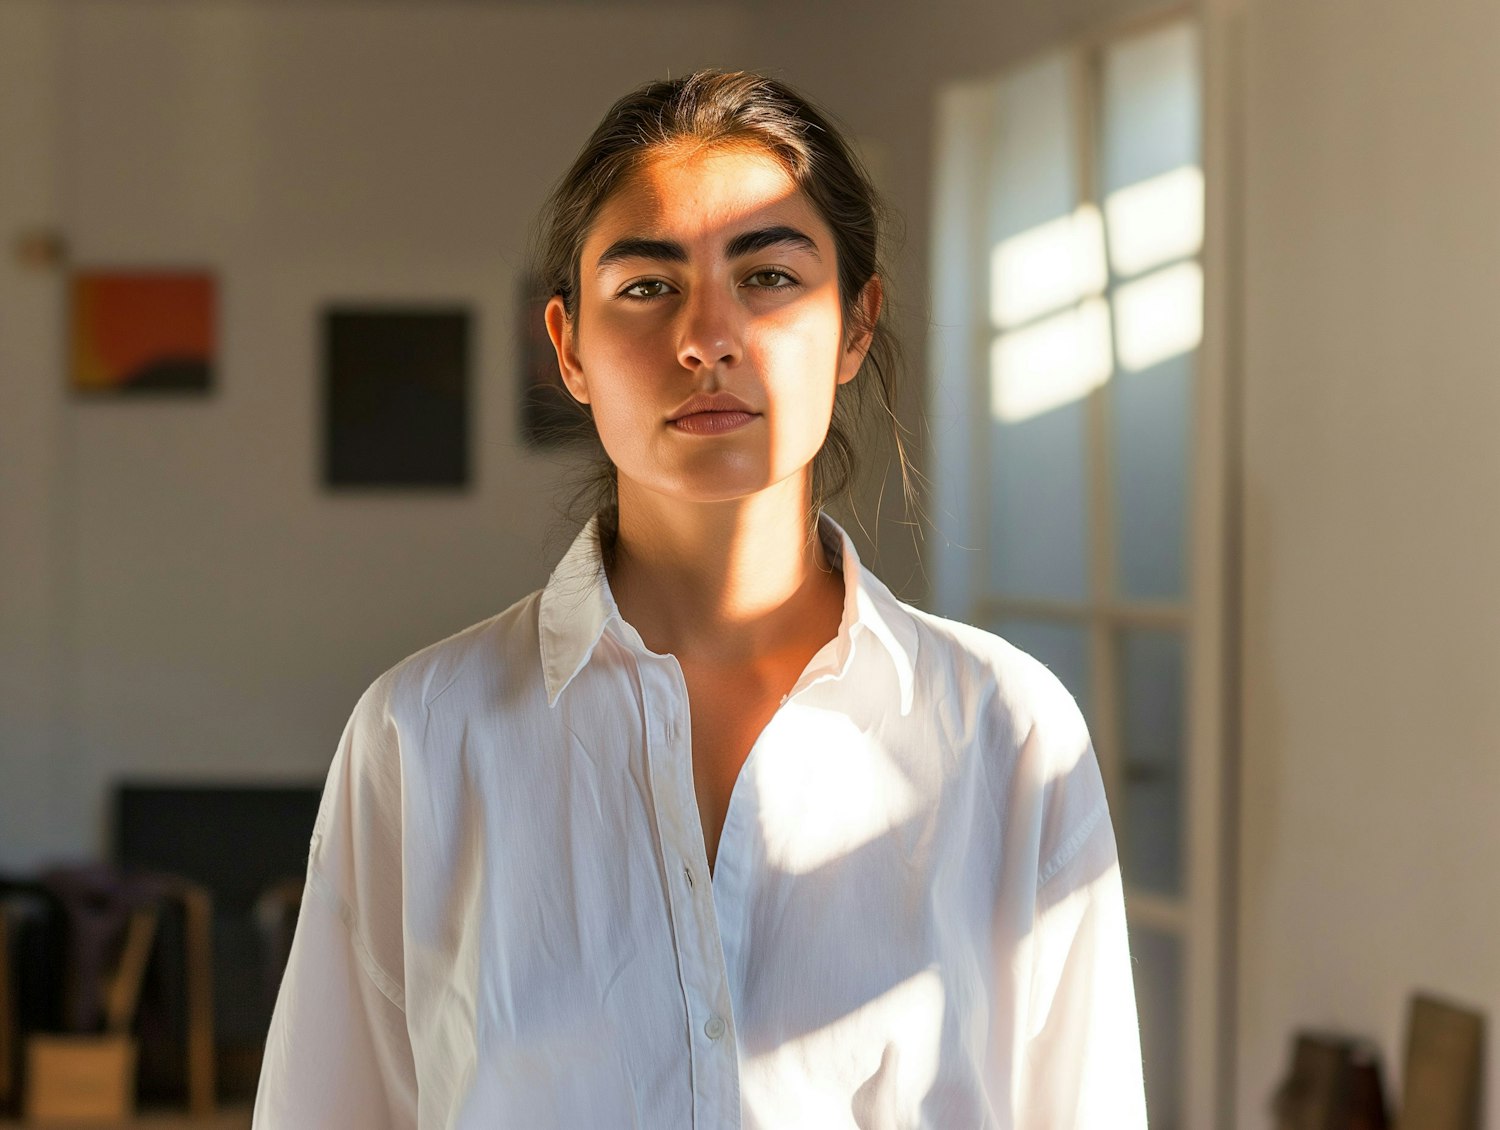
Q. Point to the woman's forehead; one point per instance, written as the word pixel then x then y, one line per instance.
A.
pixel 699 194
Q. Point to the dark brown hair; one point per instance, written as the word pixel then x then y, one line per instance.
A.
pixel 739 108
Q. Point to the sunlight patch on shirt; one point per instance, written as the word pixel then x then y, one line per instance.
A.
pixel 885 1054
pixel 825 789
pixel 911 1015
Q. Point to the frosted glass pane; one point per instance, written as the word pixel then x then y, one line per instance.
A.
pixel 1155 220
pixel 1153 201
pixel 1150 414
pixel 1047 268
pixel 1045 251
pixel 1060 359
pixel 1158 992
pixel 1064 648
pixel 1053 353
pixel 1038 505
pixel 1151 683
pixel 1150 162
pixel 1033 179
pixel 1159 315
pixel 1150 121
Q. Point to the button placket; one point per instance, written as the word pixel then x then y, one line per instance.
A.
pixel 715 1072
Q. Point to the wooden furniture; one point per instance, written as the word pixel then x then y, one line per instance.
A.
pixel 9 1026
pixel 1334 1083
pixel 80 1078
pixel 198 908
pixel 134 950
pixel 1444 1066
pixel 235 840
pixel 30 977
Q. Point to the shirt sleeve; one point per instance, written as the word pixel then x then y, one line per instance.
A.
pixel 1081 1062
pixel 338 1054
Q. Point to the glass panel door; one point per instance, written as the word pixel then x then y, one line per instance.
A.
pixel 1069 235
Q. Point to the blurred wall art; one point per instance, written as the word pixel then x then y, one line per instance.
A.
pixel 395 396
pixel 143 331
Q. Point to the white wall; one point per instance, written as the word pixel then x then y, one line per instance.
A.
pixel 32 477
pixel 181 596
pixel 1371 616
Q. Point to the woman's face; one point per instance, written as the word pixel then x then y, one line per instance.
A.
pixel 709 337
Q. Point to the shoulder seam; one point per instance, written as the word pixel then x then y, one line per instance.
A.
pixel 1072 845
pixel 430 696
pixel 386 984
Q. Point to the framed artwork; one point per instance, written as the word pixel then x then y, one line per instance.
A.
pixel 549 415
pixel 139 332
pixel 395 396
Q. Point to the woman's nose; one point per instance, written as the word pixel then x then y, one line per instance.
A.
pixel 710 333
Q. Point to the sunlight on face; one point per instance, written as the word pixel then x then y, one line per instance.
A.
pixel 708 338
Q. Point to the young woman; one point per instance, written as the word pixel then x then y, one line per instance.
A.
pixel 712 831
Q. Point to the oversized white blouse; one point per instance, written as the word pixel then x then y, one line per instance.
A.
pixel 915 918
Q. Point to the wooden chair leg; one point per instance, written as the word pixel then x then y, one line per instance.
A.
pixel 8 1020
pixel 200 1051
pixel 123 991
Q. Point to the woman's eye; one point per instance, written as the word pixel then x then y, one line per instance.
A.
pixel 773 280
pixel 647 288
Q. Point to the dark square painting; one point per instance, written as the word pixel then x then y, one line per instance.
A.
pixel 395 396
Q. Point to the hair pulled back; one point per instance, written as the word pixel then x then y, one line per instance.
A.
pixel 719 108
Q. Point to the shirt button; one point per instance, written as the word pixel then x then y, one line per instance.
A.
pixel 714 1027
pixel 687 873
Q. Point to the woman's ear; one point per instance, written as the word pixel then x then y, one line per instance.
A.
pixel 867 310
pixel 560 330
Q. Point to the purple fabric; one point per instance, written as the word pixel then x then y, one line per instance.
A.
pixel 98 900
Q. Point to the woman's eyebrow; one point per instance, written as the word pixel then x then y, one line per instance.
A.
pixel 669 251
pixel 636 247
pixel 747 243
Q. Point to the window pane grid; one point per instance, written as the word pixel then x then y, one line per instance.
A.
pixel 1106 616
pixel 1147 303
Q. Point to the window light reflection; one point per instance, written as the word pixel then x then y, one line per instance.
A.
pixel 1159 316
pixel 1051 363
pixel 1047 267
pixel 1155 221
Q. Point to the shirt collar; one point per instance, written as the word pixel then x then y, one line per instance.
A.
pixel 577 606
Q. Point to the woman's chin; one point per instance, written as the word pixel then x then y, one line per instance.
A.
pixel 722 485
pixel 720 491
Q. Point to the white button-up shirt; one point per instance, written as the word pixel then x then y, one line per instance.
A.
pixel 915 917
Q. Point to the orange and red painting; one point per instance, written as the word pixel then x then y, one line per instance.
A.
pixel 143 331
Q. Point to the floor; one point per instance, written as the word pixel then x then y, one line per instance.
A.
pixel 235 1117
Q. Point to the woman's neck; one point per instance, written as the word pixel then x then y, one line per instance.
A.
pixel 727 581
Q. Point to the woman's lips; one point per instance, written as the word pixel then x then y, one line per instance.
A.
pixel 713 423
